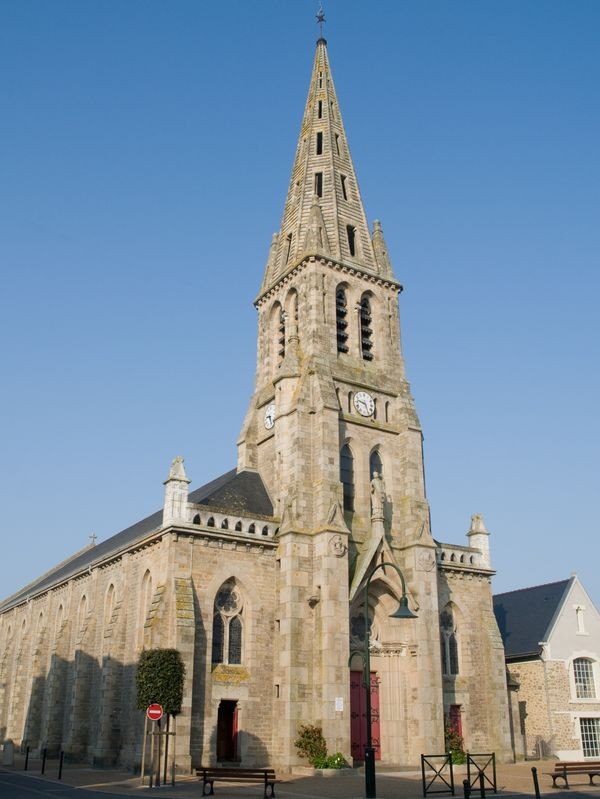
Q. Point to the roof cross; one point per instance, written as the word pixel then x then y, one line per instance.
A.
pixel 93 538
pixel 321 18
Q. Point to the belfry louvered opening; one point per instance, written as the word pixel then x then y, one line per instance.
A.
pixel 366 329
pixel 341 320
pixel 281 336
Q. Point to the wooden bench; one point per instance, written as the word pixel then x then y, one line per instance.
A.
pixel 264 775
pixel 564 768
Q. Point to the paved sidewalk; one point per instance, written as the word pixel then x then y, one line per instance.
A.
pixel 392 783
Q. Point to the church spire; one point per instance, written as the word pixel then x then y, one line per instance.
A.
pixel 323 213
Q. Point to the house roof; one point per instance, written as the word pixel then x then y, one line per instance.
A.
pixel 525 617
pixel 240 492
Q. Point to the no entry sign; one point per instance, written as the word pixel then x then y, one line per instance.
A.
pixel 154 711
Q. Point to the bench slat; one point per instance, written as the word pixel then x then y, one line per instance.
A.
pixel 215 773
pixel 570 767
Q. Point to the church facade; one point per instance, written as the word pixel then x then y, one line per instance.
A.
pixel 258 578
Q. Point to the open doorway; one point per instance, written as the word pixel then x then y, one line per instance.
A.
pixel 227 729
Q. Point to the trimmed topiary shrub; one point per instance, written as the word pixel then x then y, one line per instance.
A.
pixel 160 676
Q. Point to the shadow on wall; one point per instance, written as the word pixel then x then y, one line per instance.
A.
pixel 240 748
pixel 86 710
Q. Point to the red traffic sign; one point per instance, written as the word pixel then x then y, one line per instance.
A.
pixel 154 711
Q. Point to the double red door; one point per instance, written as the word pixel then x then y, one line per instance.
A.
pixel 358 715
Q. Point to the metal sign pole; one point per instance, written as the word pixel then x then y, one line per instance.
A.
pixel 144 743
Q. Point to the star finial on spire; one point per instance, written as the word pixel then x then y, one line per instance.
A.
pixel 321 18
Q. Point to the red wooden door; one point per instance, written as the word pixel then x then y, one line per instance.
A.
pixel 358 716
pixel 455 719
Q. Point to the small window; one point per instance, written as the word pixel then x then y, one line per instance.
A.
pixel 320 80
pixel 320 109
pixel 238 527
pixel 319 184
pixel 265 530
pixel 319 143
pixel 343 180
pixel 210 522
pixel 252 528
pixel 351 233
pixel 288 247
pixel 337 143
pixel 197 519
pixel 387 411
pixel 225 524
pixel 347 477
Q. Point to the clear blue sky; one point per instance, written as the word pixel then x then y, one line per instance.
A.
pixel 145 155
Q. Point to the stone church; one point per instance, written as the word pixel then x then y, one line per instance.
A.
pixel 258 578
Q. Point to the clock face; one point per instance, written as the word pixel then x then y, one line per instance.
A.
pixel 270 416
pixel 364 403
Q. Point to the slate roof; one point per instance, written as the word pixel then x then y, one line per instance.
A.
pixel 243 493
pixel 524 617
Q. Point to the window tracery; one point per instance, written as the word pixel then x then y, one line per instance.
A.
pixel 227 644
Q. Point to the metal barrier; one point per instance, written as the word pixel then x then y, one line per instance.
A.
pixel 478 771
pixel 437 768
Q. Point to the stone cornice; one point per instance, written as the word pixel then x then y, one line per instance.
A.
pixel 154 537
pixel 338 266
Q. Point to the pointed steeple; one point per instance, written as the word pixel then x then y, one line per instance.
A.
pixel 323 213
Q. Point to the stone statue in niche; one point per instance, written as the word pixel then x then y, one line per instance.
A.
pixel 377 494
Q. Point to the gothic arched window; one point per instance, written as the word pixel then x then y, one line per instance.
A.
pixel 449 643
pixel 347 476
pixel 82 613
pixel 227 645
pixel 109 604
pixel 341 321
pixel 366 328
pixel 144 606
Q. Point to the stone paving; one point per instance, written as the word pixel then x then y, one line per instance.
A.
pixel 392 783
